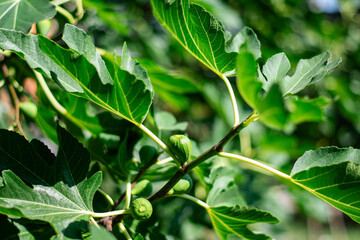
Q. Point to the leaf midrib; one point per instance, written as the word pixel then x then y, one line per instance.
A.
pixel 88 91
pixel 70 210
pixel 303 76
pixel 324 197
pixel 191 52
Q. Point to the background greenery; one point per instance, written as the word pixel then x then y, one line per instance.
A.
pixel 199 102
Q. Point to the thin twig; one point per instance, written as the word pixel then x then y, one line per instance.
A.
pixel 15 99
pixel 218 147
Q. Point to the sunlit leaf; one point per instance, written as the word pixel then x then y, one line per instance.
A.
pixel 197 31
pixel 275 70
pixel 333 175
pixel 307 72
pixel 40 186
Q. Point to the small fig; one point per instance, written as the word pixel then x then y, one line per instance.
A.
pixel 141 209
pixel 147 154
pixel 184 185
pixel 142 188
pixel 180 145
pixel 29 108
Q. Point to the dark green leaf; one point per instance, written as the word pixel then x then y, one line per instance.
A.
pixel 232 221
pixel 272 110
pixel 23 229
pixel 249 87
pixel 37 187
pixel 15 14
pixel 307 110
pixel 332 174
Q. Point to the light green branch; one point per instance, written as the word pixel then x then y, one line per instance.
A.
pixel 128 193
pixel 233 100
pixel 159 142
pixel 191 198
pixel 124 231
pixel 106 196
pixel 112 213
pixel 92 220
pixel 59 2
pixel 49 94
pixel 66 14
pixel 255 163
pixel 58 107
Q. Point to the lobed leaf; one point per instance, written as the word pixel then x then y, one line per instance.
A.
pixel 40 186
pixel 307 71
pixel 333 175
pixel 130 97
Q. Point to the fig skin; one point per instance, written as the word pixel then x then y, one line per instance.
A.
pixel 141 209
pixel 180 145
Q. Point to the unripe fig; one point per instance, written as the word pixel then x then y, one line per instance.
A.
pixel 141 209
pixel 142 188
pixel 29 108
pixel 184 185
pixel 147 154
pixel 180 145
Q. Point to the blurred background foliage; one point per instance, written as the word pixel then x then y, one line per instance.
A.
pixel 193 94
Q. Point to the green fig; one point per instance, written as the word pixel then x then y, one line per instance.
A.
pixel 147 154
pixel 29 108
pixel 180 145
pixel 142 188
pixel 183 185
pixel 141 209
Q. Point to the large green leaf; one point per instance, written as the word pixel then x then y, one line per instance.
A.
pixel 27 46
pixel 129 97
pixel 231 222
pixel 197 31
pixel 332 174
pixel 15 14
pixel 40 186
